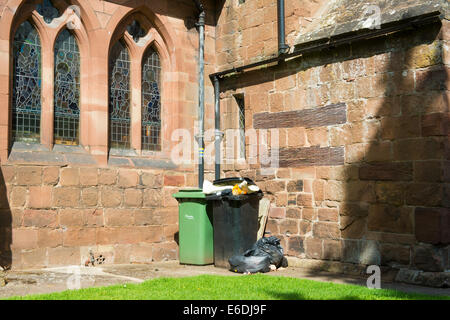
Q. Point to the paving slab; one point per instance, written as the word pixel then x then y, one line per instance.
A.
pixel 50 280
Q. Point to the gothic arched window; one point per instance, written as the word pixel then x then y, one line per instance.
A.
pixel 67 89
pixel 26 99
pixel 151 101
pixel 119 96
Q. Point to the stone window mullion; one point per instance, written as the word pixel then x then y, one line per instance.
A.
pixel 48 87
pixel 135 108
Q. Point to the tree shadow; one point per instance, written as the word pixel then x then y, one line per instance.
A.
pixel 402 169
pixel 279 295
pixel 5 225
pixel 394 192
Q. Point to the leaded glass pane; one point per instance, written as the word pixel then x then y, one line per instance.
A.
pixel 241 110
pixel 26 100
pixel 119 97
pixel 151 101
pixel 67 89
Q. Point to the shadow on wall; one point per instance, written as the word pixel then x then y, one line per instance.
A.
pixel 396 184
pixel 393 191
pixel 5 226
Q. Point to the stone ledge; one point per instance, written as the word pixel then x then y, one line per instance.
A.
pixel 388 274
pixel 38 154
pixel 135 162
pixel 61 155
pixel 428 279
pixel 312 265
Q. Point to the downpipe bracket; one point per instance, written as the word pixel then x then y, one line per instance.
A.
pixel 199 138
pixel 219 135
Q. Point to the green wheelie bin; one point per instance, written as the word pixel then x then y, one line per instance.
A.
pixel 195 228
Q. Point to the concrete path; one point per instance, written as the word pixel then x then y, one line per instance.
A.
pixel 72 277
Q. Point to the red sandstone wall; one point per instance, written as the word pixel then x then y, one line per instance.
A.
pixel 56 206
pixel 172 31
pixel 371 189
pixel 53 215
pixel 247 32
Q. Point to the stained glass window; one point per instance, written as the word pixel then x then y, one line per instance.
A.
pixel 47 11
pixel 67 89
pixel 119 96
pixel 151 101
pixel 26 100
pixel 135 30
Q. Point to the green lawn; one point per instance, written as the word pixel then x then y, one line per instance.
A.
pixel 252 287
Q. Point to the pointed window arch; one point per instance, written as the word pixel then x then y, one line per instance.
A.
pixel 26 99
pixel 119 96
pixel 67 89
pixel 151 101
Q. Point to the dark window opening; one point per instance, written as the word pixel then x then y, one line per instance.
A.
pixel 241 124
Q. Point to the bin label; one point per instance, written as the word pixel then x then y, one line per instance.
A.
pixel 189 217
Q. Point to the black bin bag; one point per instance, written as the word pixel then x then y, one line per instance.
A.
pixel 248 263
pixel 271 248
pixel 265 252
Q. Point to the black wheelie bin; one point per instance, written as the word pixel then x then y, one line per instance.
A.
pixel 235 221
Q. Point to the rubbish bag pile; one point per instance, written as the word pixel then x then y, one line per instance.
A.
pixel 266 252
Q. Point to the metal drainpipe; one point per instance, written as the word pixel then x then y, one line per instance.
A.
pixel 283 48
pixel 218 133
pixel 201 96
pixel 316 47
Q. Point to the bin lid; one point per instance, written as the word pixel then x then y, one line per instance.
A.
pixel 231 197
pixel 189 193
pixel 231 181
